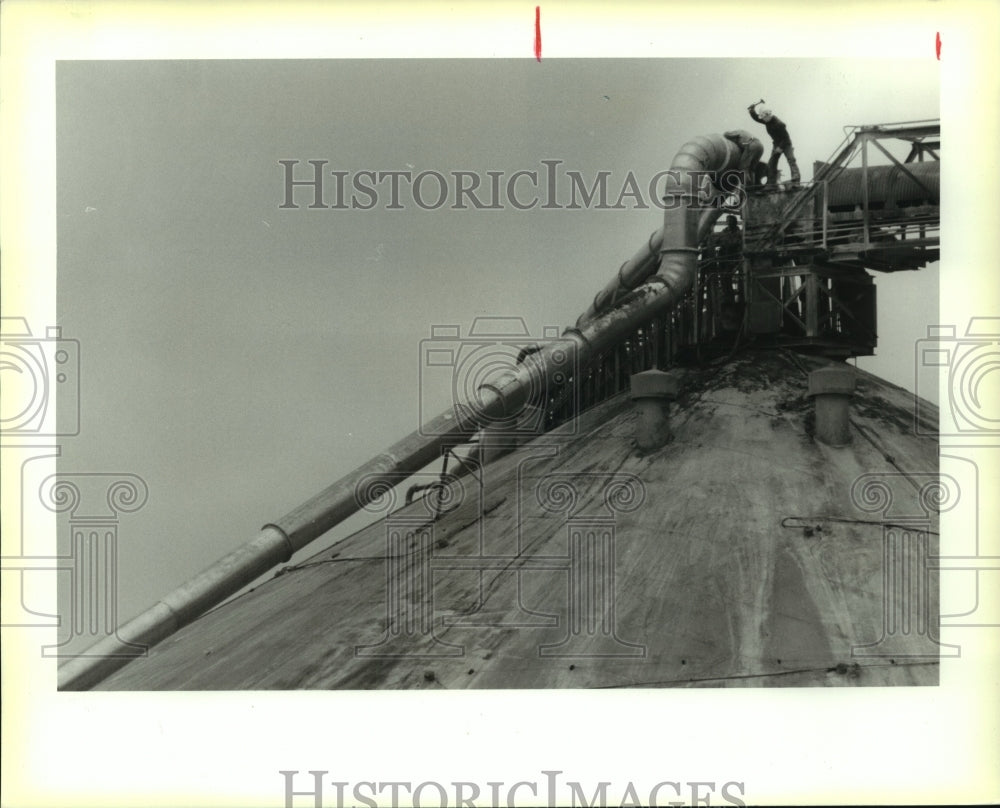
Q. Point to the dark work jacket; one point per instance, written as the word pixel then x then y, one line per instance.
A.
pixel 729 242
pixel 775 128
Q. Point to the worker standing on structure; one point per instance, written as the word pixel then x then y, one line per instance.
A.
pixel 781 143
pixel 729 244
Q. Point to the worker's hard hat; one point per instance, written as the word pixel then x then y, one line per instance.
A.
pixel 765 113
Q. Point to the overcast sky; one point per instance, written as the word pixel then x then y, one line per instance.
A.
pixel 239 356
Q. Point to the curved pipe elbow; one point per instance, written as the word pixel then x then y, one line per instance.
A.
pixel 698 162
pixel 688 185
pixel 706 153
pixel 687 214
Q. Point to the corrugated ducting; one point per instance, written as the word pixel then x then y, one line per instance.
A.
pixel 888 186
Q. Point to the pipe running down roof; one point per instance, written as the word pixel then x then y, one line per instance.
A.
pixel 634 297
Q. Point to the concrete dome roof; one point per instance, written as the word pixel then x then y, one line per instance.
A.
pixel 742 553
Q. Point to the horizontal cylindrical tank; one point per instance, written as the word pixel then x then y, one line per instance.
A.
pixel 888 186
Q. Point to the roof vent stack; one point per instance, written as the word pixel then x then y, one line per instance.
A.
pixel 652 392
pixel 832 388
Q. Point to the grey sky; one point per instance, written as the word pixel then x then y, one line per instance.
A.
pixel 239 357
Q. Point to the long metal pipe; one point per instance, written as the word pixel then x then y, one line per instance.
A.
pixel 502 396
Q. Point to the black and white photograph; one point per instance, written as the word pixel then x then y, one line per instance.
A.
pixel 689 478
pixel 571 385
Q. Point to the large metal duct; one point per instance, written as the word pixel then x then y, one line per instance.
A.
pixel 696 162
pixel 502 396
pixel 888 186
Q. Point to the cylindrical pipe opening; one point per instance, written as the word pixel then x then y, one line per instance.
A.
pixel 832 388
pixel 652 391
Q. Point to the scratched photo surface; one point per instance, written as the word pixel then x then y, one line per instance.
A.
pixel 342 322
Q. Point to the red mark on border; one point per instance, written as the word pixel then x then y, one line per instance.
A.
pixel 937 45
pixel 538 33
